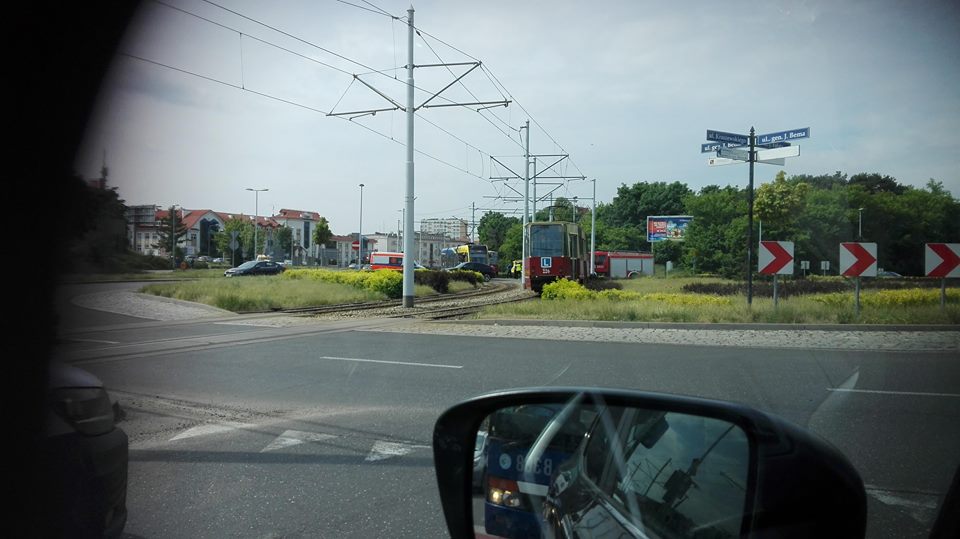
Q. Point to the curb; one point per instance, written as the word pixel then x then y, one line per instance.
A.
pixel 701 326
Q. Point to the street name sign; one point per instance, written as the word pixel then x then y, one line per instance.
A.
pixel 721 136
pixel 775 257
pixel 714 146
pixel 731 153
pixel 780 136
pixel 858 259
pixel 941 260
pixel 719 161
pixel 778 153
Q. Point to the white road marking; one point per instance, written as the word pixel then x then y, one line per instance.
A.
pixel 204 430
pixel 382 450
pixel 291 438
pixel 922 507
pixel 882 392
pixel 407 363
pixel 98 341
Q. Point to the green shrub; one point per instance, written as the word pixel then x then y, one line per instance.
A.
pixel 471 277
pixel 603 283
pixel 437 280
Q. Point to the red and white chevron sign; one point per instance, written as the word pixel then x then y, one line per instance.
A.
pixel 941 259
pixel 775 257
pixel 858 259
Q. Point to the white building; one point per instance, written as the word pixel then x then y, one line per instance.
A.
pixel 451 227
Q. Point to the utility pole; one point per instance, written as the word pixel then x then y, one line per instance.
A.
pixel 534 188
pixel 526 204
pixel 360 234
pixel 256 210
pixel 173 236
pixel 593 228
pixel 473 221
pixel 409 247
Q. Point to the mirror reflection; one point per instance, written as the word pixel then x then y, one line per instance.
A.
pixel 578 470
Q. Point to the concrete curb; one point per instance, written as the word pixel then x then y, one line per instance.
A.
pixel 701 326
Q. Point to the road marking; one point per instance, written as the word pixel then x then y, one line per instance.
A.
pixel 204 430
pixel 881 392
pixel 382 450
pixel 97 341
pixel 407 363
pixel 291 438
pixel 921 506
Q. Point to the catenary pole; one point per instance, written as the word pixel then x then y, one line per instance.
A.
pixel 408 246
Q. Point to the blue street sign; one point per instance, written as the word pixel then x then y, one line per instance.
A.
pixel 720 136
pixel 782 136
pixel 774 145
pixel 712 147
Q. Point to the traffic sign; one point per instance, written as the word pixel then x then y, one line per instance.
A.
pixel 780 136
pixel 825 265
pixel 941 259
pixel 773 145
pixel 233 240
pixel 714 146
pixel 858 259
pixel 730 153
pixel 804 264
pixel 719 161
pixel 778 153
pixel 775 257
pixel 355 245
pixel 721 136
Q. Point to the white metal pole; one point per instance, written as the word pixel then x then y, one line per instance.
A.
pixel 593 229
pixel 526 205
pixel 360 233
pixel 408 246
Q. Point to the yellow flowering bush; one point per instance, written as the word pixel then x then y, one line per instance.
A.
pixel 566 289
pixel 890 298
pixel 388 283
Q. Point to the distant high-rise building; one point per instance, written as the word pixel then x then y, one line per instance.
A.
pixel 451 227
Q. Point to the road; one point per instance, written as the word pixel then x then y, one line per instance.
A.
pixel 256 428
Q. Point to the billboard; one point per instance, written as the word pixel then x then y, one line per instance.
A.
pixel 667 227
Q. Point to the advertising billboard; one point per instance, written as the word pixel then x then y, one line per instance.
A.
pixel 667 227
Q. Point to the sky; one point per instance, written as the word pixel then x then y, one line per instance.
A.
pixel 206 99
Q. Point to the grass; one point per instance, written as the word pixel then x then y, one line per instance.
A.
pixel 665 308
pixel 261 293
pixel 646 285
pixel 264 293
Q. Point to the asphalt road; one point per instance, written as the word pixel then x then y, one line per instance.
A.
pixel 324 431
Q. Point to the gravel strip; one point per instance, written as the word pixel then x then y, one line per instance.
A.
pixel 148 306
pixel 749 338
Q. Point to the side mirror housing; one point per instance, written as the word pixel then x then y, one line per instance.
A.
pixel 549 461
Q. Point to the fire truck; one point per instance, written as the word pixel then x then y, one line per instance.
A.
pixel 623 264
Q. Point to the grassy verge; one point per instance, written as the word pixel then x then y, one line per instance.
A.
pixel 660 304
pixel 262 293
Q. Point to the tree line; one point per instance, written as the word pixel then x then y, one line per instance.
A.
pixel 816 212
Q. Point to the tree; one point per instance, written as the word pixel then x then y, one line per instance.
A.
pixel 875 183
pixel 778 205
pixel 169 233
pixel 633 204
pixel 512 246
pixel 321 235
pixel 244 229
pixel 493 229
pixel 283 236
pixel 717 236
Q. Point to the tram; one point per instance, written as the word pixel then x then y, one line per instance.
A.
pixel 558 250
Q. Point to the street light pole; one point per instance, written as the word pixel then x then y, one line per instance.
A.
pixel 360 233
pixel 860 224
pixel 256 210
pixel 173 236
pixel 593 229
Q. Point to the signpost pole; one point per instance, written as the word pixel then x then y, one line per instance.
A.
pixel 775 297
pixel 856 300
pixel 753 140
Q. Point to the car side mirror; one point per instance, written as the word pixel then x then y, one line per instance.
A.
pixel 566 462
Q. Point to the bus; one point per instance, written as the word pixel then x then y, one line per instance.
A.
pixel 513 489
pixel 473 252
pixel 558 250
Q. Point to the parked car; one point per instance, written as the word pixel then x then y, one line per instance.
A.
pixel 87 457
pixel 218 260
pixel 486 270
pixel 255 267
